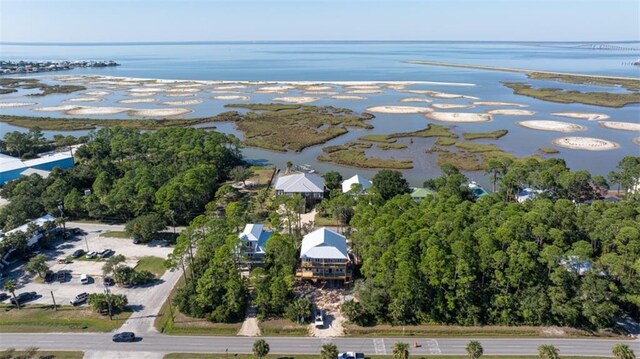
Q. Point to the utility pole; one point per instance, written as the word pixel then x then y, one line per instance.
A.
pixel 171 310
pixel 55 306
pixel 85 241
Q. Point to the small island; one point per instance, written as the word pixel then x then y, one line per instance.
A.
pixel 27 67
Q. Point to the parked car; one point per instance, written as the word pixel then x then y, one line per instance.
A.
pixel 136 240
pixel 106 253
pixel 49 276
pixel 79 299
pixel 319 319
pixel 108 281
pixel 78 231
pixel 351 355
pixel 3 296
pixel 61 276
pixel 24 297
pixel 63 261
pixel 78 253
pixel 91 255
pixel 85 279
pixel 124 337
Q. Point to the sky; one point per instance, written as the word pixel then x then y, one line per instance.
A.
pixel 318 20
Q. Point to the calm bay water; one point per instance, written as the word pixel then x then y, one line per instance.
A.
pixel 371 61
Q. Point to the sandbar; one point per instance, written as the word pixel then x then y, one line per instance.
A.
pixel 224 91
pixel 183 102
pixel 147 90
pixel 585 143
pixel 364 87
pixel 16 104
pixel 193 85
pixel 625 126
pixel 231 97
pixel 55 108
pixel 84 99
pixel 320 93
pixel 179 95
pixel 276 88
pixel 97 93
pixel 445 106
pixel 89 110
pixel 558 126
pixel 459 117
pixel 294 99
pixel 364 91
pixel 318 88
pixel 142 94
pixel 498 103
pixel 181 90
pixel 512 112
pixel 230 87
pixel 347 97
pixel 162 112
pixel 582 115
pixel 399 109
pixel 415 99
pixel 138 100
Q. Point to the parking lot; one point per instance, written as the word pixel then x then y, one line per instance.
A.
pixel 66 290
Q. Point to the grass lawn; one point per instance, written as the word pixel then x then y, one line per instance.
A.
pixel 42 318
pixel 310 356
pixel 152 264
pixel 115 234
pixel 282 327
pixel 320 221
pixel 261 175
pixel 52 354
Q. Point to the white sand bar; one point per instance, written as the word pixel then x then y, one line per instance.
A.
pixel 97 93
pixel 162 112
pixel 55 108
pixel 459 117
pixel 147 89
pixel 183 102
pixel 512 112
pixel 364 87
pixel 586 143
pixel 318 88
pixel 89 110
pixel 364 91
pixel 16 104
pixel 348 97
pixel 497 103
pixel 293 99
pixel 231 87
pixel 84 99
pixel 415 99
pixel 231 97
pixel 180 90
pixel 320 93
pixel 399 109
pixel 558 126
pixel 138 100
pixel 625 126
pixel 582 115
pixel 143 94
pixel 179 95
pixel 445 106
pixel 276 88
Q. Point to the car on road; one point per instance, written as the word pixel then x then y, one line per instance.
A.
pixel 79 299
pixel 108 281
pixel 91 255
pixel 124 337
pixel 78 253
pixel 24 297
pixel 351 355
pixel 106 253
pixel 319 319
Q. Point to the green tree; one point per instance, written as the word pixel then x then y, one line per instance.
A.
pixel 241 174
pixel 260 348
pixel 11 286
pixel 332 180
pixel 548 351
pixel 329 351
pixel 390 184
pixel 622 351
pixel 38 265
pixel 400 350
pixel 113 262
pixel 289 166
pixel 99 302
pixel 145 227
pixel 474 349
pixel 299 310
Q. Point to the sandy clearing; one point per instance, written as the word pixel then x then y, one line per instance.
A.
pixel 84 99
pixel 364 91
pixel 511 112
pixel 162 112
pixel 585 143
pixel 415 99
pixel 294 99
pixel 97 93
pixel 183 102
pixel 55 108
pixel 582 115
pixel 90 110
pixel 347 97
pixel 625 126
pixel 138 100
pixel 16 104
pixel 459 117
pixel 558 126
pixel 399 109
pixel 446 106
pixel 231 97
pixel 497 103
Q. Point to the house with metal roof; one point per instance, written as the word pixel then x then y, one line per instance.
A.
pixel 324 256
pixel 418 193
pixel 348 184
pixel 309 185
pixel 253 241
pixel 12 168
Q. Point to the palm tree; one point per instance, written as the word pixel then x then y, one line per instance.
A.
pixel 289 165
pixel 548 351
pixel 11 286
pixel 329 351
pixel 401 351
pixel 622 351
pixel 474 349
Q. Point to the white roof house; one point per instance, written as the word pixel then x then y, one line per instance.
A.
pixel 325 244
pixel 255 237
pixel 25 227
pixel 302 183
pixel 357 179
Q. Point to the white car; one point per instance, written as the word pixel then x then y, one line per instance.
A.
pixel 91 255
pixel 319 319
pixel 351 355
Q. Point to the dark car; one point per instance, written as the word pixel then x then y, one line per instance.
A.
pixel 78 253
pixel 61 276
pixel 137 241
pixel 3 296
pixel 106 253
pixel 49 276
pixel 24 297
pixel 124 337
pixel 108 281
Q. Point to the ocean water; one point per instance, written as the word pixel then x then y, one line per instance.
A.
pixel 368 61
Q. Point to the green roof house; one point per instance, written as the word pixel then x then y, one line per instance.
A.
pixel 418 194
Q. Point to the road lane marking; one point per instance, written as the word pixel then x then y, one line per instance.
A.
pixel 433 347
pixel 379 347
